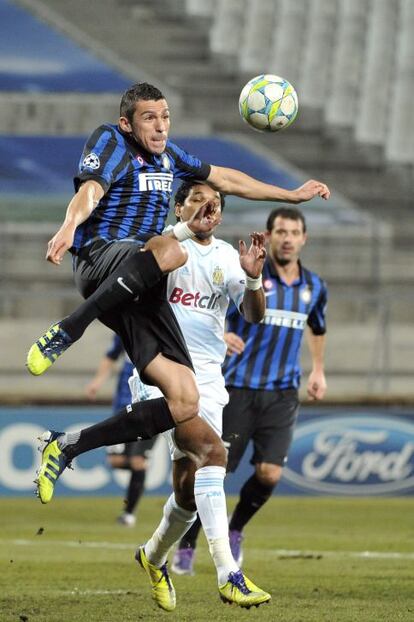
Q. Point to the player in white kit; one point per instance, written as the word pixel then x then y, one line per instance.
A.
pixel 199 293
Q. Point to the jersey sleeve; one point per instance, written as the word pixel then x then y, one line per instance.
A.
pixel 103 159
pixel 116 349
pixel 317 317
pixel 188 166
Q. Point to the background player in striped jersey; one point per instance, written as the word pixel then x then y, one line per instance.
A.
pixel 263 374
pixel 129 456
pixel 122 200
pixel 199 294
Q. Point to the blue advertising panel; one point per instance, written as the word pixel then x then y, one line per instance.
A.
pixel 335 451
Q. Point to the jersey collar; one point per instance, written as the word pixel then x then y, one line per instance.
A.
pixel 273 273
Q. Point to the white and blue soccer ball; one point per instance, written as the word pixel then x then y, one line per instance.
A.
pixel 268 103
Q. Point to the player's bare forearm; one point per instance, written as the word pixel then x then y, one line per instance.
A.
pixel 252 261
pixel 316 387
pixel 83 203
pixel 317 344
pixel 232 181
pixel 79 209
pixel 253 305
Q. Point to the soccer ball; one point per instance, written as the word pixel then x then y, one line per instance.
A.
pixel 268 103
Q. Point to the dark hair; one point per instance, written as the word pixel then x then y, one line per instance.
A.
pixel 184 190
pixel 285 212
pixel 137 92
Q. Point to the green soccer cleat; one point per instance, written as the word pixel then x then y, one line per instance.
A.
pixel 162 589
pixel 241 591
pixel 52 466
pixel 47 350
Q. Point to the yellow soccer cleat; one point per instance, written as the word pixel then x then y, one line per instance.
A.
pixel 53 464
pixel 47 349
pixel 242 592
pixel 162 589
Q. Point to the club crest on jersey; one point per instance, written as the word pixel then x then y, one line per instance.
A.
pixel 161 182
pixel 218 276
pixel 267 284
pixel 166 162
pixel 91 161
pixel 306 295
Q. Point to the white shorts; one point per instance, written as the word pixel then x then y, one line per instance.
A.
pixel 213 398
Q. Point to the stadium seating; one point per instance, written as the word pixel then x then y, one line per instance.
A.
pixel 58 65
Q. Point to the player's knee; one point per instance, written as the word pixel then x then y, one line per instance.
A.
pixel 213 453
pixel 216 454
pixel 269 474
pixel 168 253
pixel 184 406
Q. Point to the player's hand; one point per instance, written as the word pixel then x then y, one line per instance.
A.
pixel 316 387
pixel 205 219
pixel 91 390
pixel 59 244
pixel 311 189
pixel 252 259
pixel 234 343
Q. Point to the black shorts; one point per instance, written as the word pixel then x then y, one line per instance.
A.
pixel 147 326
pixel 267 418
pixel 138 448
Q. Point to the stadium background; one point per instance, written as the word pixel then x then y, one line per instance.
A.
pixel 63 65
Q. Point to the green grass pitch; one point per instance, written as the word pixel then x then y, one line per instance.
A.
pixel 70 562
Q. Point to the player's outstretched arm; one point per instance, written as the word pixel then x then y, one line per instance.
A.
pixel 79 209
pixel 231 181
pixel 252 261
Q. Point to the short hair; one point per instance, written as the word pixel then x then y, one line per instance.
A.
pixel 285 212
pixel 135 93
pixel 184 190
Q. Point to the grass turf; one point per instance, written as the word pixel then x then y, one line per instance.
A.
pixel 69 561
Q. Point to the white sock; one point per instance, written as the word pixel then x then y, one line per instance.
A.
pixel 175 522
pixel 212 510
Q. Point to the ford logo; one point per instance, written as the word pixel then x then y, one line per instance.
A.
pixel 354 455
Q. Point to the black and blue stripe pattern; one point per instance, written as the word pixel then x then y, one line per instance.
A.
pixel 137 184
pixel 271 358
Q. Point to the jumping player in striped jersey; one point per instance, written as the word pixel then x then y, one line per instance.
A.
pixel 123 189
pixel 263 374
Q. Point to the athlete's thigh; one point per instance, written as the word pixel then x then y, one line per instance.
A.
pixel 276 419
pixel 213 397
pixel 97 261
pixel 147 330
pixel 238 424
pixel 175 381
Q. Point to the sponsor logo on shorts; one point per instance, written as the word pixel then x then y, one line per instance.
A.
pixel 286 319
pixel 198 300
pixel 355 455
pixel 155 181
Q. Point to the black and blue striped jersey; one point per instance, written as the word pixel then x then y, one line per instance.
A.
pixel 122 396
pixel 271 358
pixel 137 186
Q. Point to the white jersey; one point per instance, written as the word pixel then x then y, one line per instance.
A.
pixel 199 293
